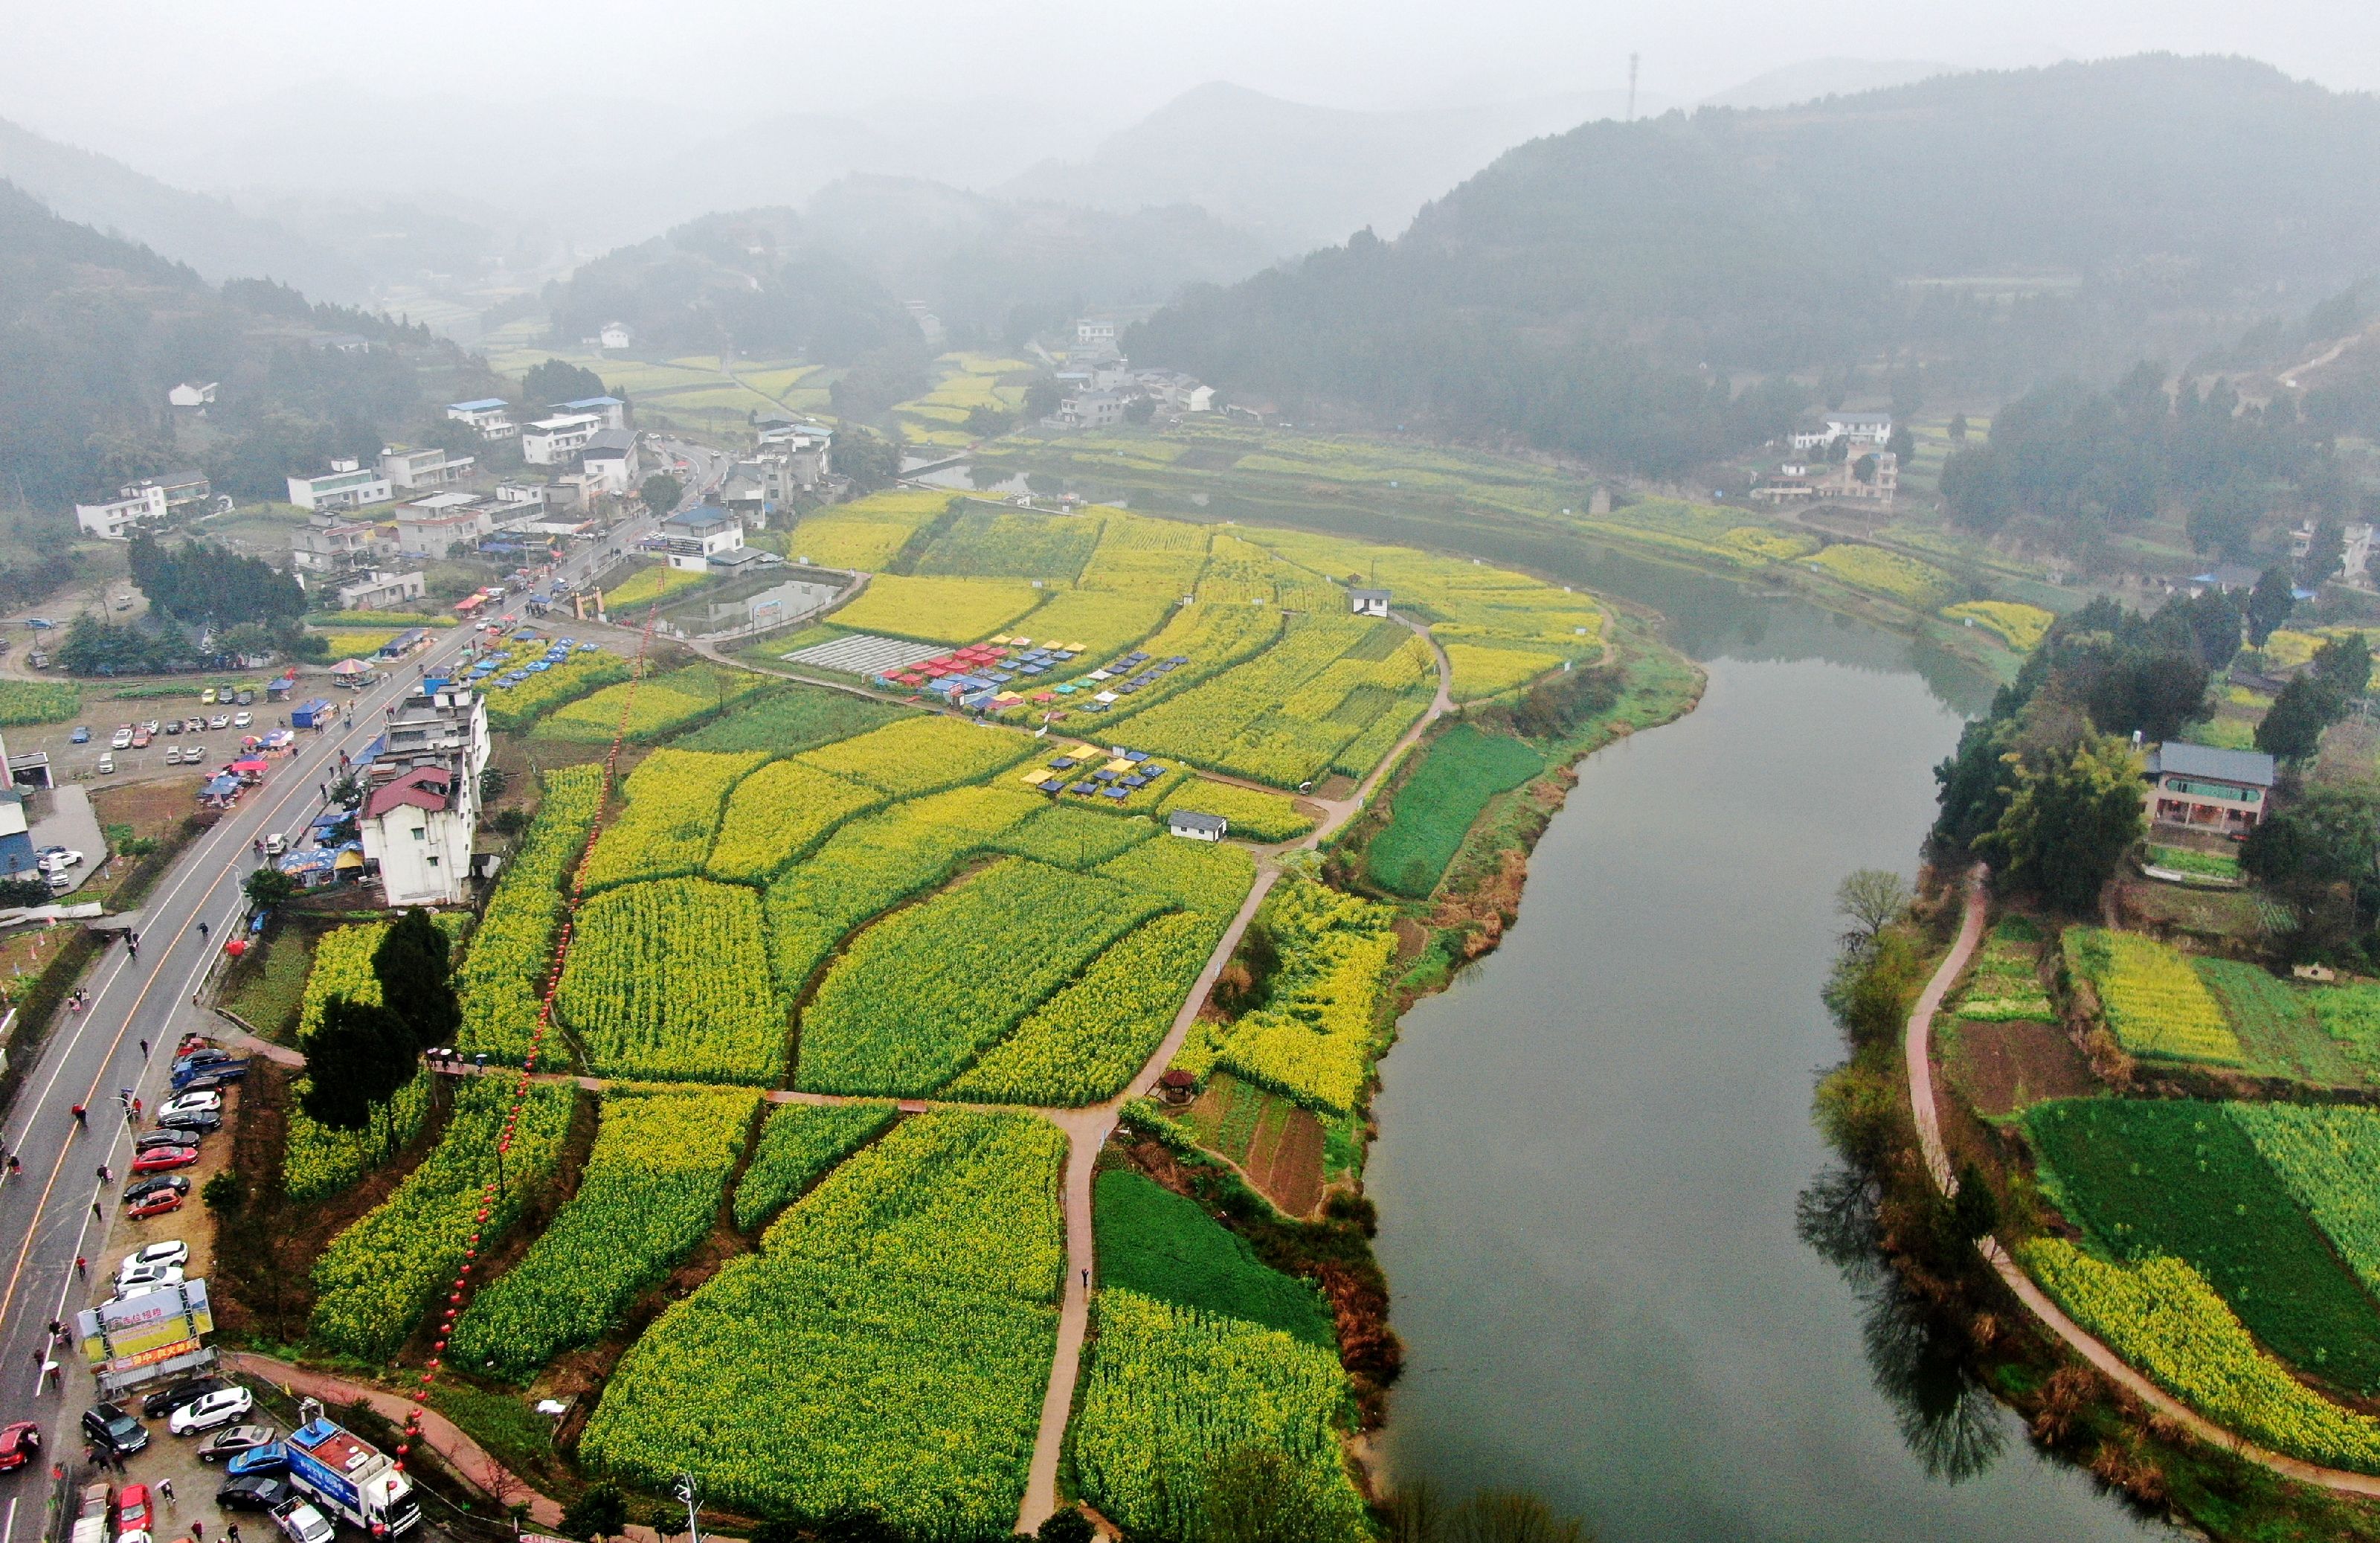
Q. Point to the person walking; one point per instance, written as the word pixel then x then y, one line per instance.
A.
pixel 231 1533
pixel 197 1531
pixel 97 1214
pixel 202 931
pixel 83 1266
pixel 105 1174
pixel 165 1489
pixel 82 1117
pixel 144 1049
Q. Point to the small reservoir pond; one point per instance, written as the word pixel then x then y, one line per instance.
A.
pixel 1592 1145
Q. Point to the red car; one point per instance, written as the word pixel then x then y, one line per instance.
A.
pixel 20 1444
pixel 157 1160
pixel 156 1205
pixel 132 1508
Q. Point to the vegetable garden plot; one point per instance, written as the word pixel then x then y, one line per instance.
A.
pixel 2018 626
pixel 342 967
pixel 938 610
pixel 786 720
pixel 1434 807
pixel 2351 1014
pixel 1206 877
pixel 1172 1390
pixel 778 813
pixel 1075 835
pixel 886 1351
pixel 514 943
pixel 2161 1315
pixel 1479 670
pixel 376 1278
pixel 650 1192
pixel 1084 1043
pixel 515 708
pixel 2275 1025
pixel 1312 1040
pixel 2005 984
pixel 1105 625
pixel 649 584
pixel 986 542
pixel 921 755
pixel 1154 557
pixel 798 1144
pixel 1254 815
pixel 673 801
pixel 2182 1178
pixel 875 862
pixel 317 1160
pixel 1165 1246
pixel 669 980
pixel 918 995
pixel 867 533
pixel 2155 1002
pixel 1912 583
pixel 2329 1157
pixel 661 705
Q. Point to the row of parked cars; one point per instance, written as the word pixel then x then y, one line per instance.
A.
pixel 258 1480
pixel 193 1111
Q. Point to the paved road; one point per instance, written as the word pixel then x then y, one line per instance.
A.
pixel 46 1210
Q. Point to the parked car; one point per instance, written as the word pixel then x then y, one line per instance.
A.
pixel 171 1251
pixel 194 755
pixel 173 726
pixel 301 1522
pixel 207 697
pixel 40 624
pixel 132 1282
pixel 81 734
pixel 150 727
pixel 108 1428
pixel 262 1462
pixel 164 1136
pixel 242 720
pixel 255 1492
pixel 234 1440
pixel 190 1103
pixel 132 1508
pixel 192 1122
pixel 20 1444
pixel 189 1389
pixel 122 740
pixel 220 721
pixel 59 860
pixel 203 1082
pixel 199 1056
pixel 140 1189
pixel 157 1160
pixel 140 739
pixel 276 844
pixel 210 1410
pixel 156 1203
pixel 106 765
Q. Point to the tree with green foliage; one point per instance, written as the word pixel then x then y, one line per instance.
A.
pixel 1068 1526
pixel 2269 604
pixel 2323 553
pixel 412 966
pixel 2343 666
pixel 356 1061
pixel 268 887
pixel 198 583
pixel 1903 443
pixel 558 381
pixel 601 1510
pixel 2328 834
pixel 661 493
pixel 2075 811
pixel 1041 399
pixel 1958 430
pixel 1871 899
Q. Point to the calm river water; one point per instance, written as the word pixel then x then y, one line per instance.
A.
pixel 1592 1145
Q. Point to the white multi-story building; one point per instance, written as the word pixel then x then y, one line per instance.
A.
pixel 429 527
pixel 347 485
pixel 433 468
pixel 612 456
pixel 611 409
pixel 420 812
pixel 376 590
pixel 615 335
pixel 117 520
pixel 689 539
pixel 491 416
pixel 552 441
pixel 329 544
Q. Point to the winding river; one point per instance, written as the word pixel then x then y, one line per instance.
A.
pixel 1622 1274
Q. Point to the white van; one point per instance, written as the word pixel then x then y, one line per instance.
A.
pixel 107 765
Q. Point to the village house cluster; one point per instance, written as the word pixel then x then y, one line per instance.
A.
pixel 1098 385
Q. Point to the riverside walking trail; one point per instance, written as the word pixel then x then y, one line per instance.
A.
pixel 1917 1050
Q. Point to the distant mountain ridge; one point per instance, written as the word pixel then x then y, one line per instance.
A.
pixel 207 234
pixel 1595 291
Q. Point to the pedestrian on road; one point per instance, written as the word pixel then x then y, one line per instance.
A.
pixel 106 1176
pixel 231 1533
pixel 202 931
pixel 136 1111
pixel 1086 1280
pixel 197 1531
pixel 54 1327
pixel 144 1049
pixel 97 1214
pixel 82 1117
pixel 165 1487
pixel 83 1266
pixel 14 1165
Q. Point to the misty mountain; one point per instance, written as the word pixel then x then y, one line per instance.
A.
pixel 1594 292
pixel 1812 79
pixel 207 234
pixel 1297 175
pixel 985 263
pixel 94 329
pixel 753 282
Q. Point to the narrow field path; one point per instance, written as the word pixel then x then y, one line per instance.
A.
pixel 1917 1050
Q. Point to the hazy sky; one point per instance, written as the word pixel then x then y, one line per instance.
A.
pixel 98 71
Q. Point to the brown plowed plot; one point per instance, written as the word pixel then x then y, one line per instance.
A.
pixel 2000 1068
pixel 1277 1144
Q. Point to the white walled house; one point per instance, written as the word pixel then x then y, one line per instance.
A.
pixel 375 590
pixel 615 335
pixel 200 394
pixel 329 544
pixel 429 527
pixel 408 468
pixel 611 409
pixel 117 520
pixel 552 441
pixel 1368 603
pixel 1194 826
pixel 347 485
pixel 691 539
pixel 612 456
pixel 421 807
pixel 491 416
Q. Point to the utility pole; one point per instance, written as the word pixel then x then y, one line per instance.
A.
pixel 1632 88
pixel 684 1487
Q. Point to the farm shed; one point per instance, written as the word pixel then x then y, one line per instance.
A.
pixel 1197 826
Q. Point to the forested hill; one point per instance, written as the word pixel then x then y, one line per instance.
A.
pixel 1593 292
pixel 94 331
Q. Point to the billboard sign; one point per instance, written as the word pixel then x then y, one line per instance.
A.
pixel 141 1330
